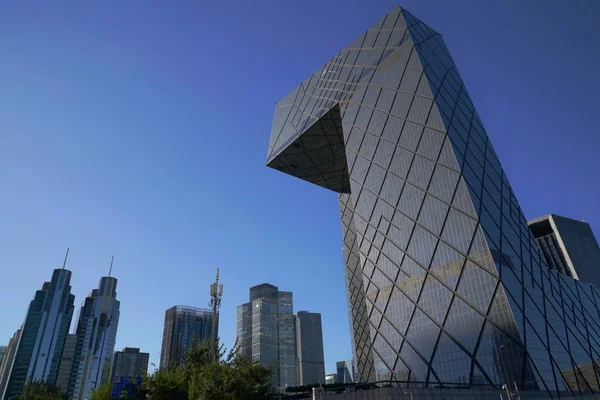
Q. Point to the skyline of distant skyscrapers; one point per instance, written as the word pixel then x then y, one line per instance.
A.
pixel 43 350
pixel 129 362
pixel 43 334
pixel 309 348
pixel 568 246
pixel 183 326
pixel 96 331
pixel 266 333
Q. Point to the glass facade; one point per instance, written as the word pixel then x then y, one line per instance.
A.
pixel 345 371
pixel 42 337
pixel 66 363
pixel 309 347
pixel 266 333
pixel 96 332
pixel 445 282
pixel 183 326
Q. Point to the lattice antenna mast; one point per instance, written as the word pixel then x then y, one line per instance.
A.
pixel 216 292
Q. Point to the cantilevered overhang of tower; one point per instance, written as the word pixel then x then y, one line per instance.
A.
pixel 309 147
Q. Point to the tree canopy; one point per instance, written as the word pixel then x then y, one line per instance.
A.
pixel 200 378
pixel 37 390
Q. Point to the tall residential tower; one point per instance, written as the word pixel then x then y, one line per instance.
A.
pixel 445 280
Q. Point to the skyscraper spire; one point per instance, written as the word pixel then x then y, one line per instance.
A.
pixel 97 323
pixel 66 256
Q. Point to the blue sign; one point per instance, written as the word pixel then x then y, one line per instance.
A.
pixel 124 384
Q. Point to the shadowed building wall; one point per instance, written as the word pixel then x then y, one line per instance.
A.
pixel 309 348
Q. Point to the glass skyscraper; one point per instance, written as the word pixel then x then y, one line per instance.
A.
pixel 42 337
pixel 309 348
pixel 445 281
pixel 96 335
pixel 183 326
pixel 568 246
pixel 266 333
pixel 345 371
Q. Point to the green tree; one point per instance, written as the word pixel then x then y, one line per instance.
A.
pixel 169 384
pixel 37 390
pixel 104 392
pixel 230 378
pixel 201 378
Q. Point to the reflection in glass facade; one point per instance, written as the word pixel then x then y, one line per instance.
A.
pixel 445 281
pixel 266 333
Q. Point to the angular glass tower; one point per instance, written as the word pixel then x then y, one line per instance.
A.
pixel 445 280
pixel 96 336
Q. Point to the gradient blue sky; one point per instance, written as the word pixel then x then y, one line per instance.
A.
pixel 139 129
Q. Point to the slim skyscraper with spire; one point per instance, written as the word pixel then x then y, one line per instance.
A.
pixel 42 337
pixel 96 335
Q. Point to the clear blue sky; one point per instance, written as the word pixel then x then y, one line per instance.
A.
pixel 139 129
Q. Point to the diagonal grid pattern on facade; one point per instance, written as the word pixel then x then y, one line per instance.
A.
pixel 445 282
